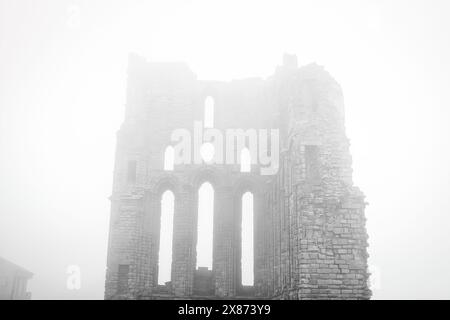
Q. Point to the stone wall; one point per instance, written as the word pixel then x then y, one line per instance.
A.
pixel 310 240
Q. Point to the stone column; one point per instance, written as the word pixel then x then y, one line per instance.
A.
pixel 223 246
pixel 183 261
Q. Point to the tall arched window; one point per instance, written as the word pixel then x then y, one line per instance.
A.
pixel 209 112
pixel 169 158
pixel 165 238
pixel 246 161
pixel 247 247
pixel 205 225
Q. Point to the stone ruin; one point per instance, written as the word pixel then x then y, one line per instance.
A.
pixel 310 240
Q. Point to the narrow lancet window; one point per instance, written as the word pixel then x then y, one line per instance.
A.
pixel 247 240
pixel 169 159
pixel 205 225
pixel 209 112
pixel 165 238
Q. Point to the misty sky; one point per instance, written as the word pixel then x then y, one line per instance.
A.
pixel 62 96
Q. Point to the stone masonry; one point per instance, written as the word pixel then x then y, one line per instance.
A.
pixel 310 240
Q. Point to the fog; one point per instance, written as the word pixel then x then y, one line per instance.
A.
pixel 62 96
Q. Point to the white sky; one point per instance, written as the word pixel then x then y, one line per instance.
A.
pixel 62 95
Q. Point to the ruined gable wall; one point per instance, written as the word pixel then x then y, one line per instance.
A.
pixel 310 237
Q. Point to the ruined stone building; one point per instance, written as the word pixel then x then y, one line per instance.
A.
pixel 13 281
pixel 310 240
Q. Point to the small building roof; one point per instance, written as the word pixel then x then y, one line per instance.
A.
pixel 6 264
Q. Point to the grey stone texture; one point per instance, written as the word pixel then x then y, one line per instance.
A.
pixel 310 240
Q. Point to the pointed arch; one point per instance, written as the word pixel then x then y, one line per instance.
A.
pixel 247 202
pixel 205 222
pixel 169 158
pixel 166 237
